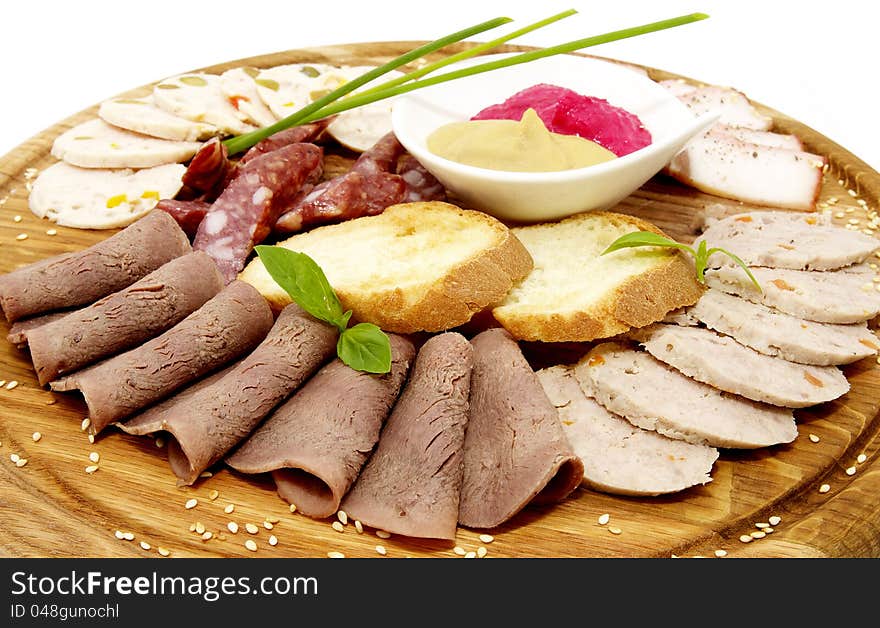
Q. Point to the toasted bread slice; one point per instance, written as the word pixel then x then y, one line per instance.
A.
pixel 576 294
pixel 415 267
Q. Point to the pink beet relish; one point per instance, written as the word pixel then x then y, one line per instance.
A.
pixel 566 112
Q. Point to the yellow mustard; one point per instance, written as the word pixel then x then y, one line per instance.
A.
pixel 518 146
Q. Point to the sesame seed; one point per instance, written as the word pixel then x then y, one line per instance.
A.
pixel 51 232
pixel 459 550
pixel 814 438
pixel 251 545
pixel 11 385
pixel 2 382
pixel 91 439
pixel 358 526
pixel 381 550
pixel 163 552
pixel 470 555
pixel 343 517
pixel 192 527
pixel 824 488
pixel 851 471
pixel 214 495
pixel 119 535
pixel 852 193
pixel 21 236
pixel 200 528
pixel 768 530
pixel 207 535
pixel 337 526
pixel 758 534
pixel 293 508
pixel 745 538
pixel 720 553
pixel 853 221
pixel 775 520
pixel 232 527
pixel 160 443
pixel 861 458
pixel 335 555
pixel 268 525
pixel 36 436
pixel 251 528
pixel 145 545
pixel 14 457
pixel 206 474
pixel 760 525
pixel 85 424
pixel 614 530
pixel 191 503
pixel 273 520
pixel 21 462
pixel 91 468
pixel 839 215
pixel 94 456
pixel 273 540
pixel 382 534
pixel 603 519
pixel 481 552
pixel 229 508
pixel 52 402
pixel 17 218
pixel 128 536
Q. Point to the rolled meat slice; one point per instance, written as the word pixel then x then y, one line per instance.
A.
pixel 412 482
pixel 83 277
pixel 316 442
pixel 20 329
pixel 515 451
pixel 206 425
pixel 227 326
pixel 126 318
pixel 245 213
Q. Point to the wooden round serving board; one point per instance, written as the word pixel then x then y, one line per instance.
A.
pixel 51 507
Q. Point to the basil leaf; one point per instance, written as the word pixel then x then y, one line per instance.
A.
pixel 644 238
pixel 365 347
pixel 305 282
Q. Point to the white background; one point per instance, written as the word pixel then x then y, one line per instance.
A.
pixel 815 61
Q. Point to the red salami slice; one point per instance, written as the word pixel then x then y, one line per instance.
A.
pixel 209 169
pixel 294 135
pixel 244 214
pixel 381 157
pixel 421 185
pixel 188 214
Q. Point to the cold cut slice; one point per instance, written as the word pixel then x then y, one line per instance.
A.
pixel 834 296
pixel 421 185
pixel 723 363
pixel 83 277
pixel 126 318
pixel 189 214
pixel 206 425
pixel 776 333
pixel 316 442
pixel 224 328
pixel 20 329
pixel 653 396
pixel 411 483
pixel 514 451
pixel 244 214
pixel 801 241
pixel 618 457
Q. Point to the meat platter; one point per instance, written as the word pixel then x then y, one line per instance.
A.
pixel 132 507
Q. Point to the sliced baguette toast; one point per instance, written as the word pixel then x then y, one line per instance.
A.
pixel 415 267
pixel 575 294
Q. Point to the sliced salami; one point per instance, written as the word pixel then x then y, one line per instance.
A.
pixel 188 214
pixel 421 185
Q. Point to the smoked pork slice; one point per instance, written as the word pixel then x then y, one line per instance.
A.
pixel 83 277
pixel 20 329
pixel 833 296
pixel 515 451
pixel 723 363
pixel 411 483
pixel 653 396
pixel 126 318
pixel 317 441
pixel 207 425
pixel 618 457
pixel 784 239
pixel 735 107
pixel 227 326
pixel 772 332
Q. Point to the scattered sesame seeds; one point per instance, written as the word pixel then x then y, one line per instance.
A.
pixel 614 530
pixel 358 526
pixel 17 218
pixel 206 474
pixel 861 458
pixel 273 540
pixel 273 520
pixel 160 443
pixel 335 555
pixel 268 525
pixel 207 535
pixel 94 456
pixel 758 534
pixel 232 527
pixel 824 488
pixel 91 468
pixel 854 221
pixel 229 508
pixel 745 538
pixel 36 436
pixel 11 385
pixel 293 508
pixel 21 236
pixel 470 555
pixel 91 439
pixel 145 546
pixel 852 193
pixel 343 517
pixel 191 503
pixel 51 232
pixel 380 549
pixel 768 530
pixel 337 526
pixel 459 550
pixel 2 382
pixel 604 519
pixel 775 520
pixel 814 438
pixel 85 424
pixel 251 545
pixel 119 535
pixel 200 528
pixel 163 552
pixel 481 552
pixel 720 553
pixel 382 534
pixel 21 462
pixel 192 527
pixel 761 525
pixel 251 528
pixel 214 495
pixel 128 536
pixel 851 471
pixel 839 215
pixel 14 457
pixel 486 538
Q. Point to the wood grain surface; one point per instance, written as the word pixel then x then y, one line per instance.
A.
pixel 51 507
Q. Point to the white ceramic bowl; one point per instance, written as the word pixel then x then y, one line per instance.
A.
pixel 542 196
